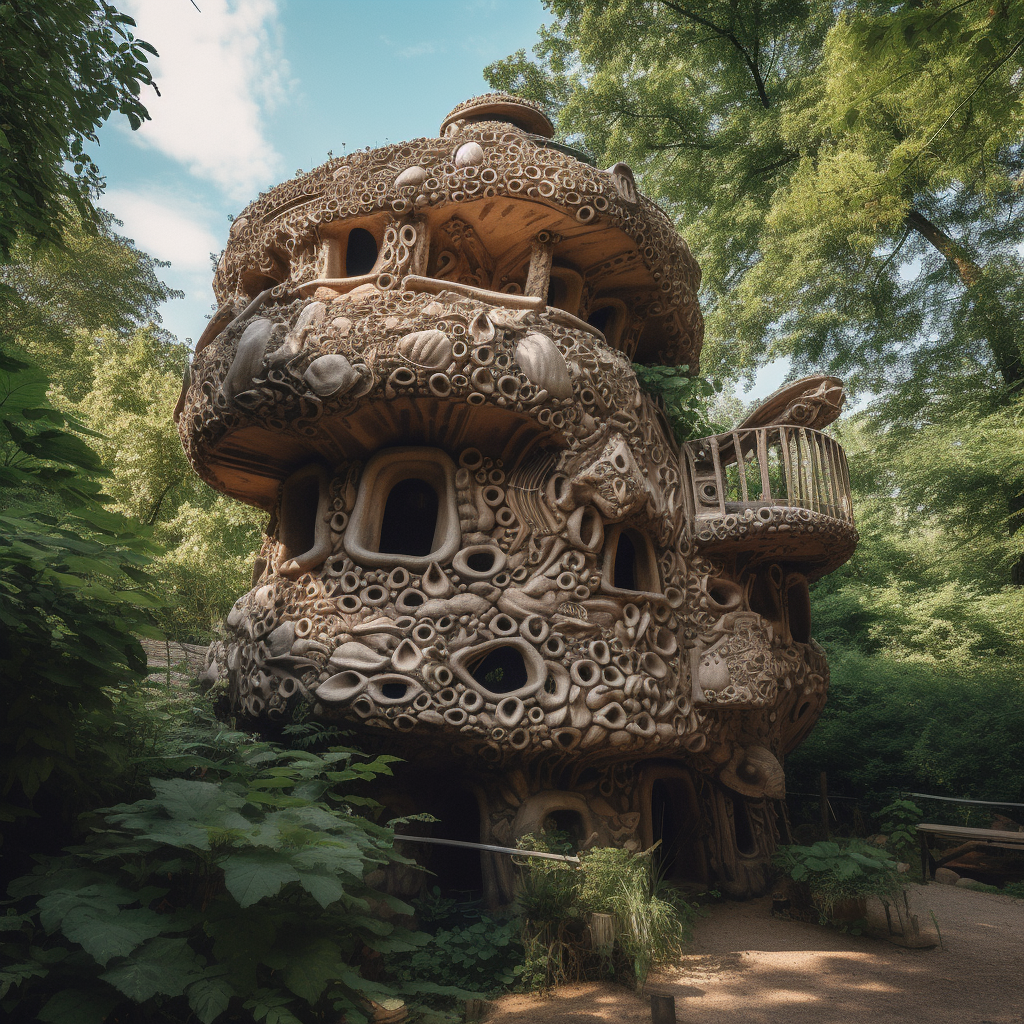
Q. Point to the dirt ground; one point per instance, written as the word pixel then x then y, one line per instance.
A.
pixel 745 965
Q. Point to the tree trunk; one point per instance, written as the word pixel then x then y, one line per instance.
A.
pixel 1001 339
pixel 1008 358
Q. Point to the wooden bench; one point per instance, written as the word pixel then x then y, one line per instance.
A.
pixel 973 838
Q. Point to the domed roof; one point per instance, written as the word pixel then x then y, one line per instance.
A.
pixel 503 106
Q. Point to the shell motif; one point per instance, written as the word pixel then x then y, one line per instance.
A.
pixel 755 772
pixel 544 365
pixel 426 348
pixel 412 176
pixel 469 155
pixel 327 375
pixel 248 361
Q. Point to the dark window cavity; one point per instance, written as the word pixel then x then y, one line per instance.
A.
pixel 360 253
pixel 410 519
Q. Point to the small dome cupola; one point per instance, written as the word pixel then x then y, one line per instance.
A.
pixel 502 106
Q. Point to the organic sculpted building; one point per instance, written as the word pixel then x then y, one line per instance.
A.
pixel 486 551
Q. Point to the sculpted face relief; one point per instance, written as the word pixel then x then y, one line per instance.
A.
pixel 486 550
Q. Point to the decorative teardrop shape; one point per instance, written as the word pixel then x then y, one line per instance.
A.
pixel 431 349
pixel 248 361
pixel 407 656
pixel 544 365
pixel 469 155
pixel 435 583
pixel 481 329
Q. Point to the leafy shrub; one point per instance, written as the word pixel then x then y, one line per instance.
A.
pixel 556 899
pixel 838 871
pixel 685 398
pixel 471 951
pixel 897 724
pixel 241 890
pixel 899 822
pixel 76 594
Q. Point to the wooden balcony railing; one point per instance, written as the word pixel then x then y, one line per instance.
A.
pixel 778 466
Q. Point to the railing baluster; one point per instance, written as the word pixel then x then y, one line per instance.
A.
pixel 719 474
pixel 741 465
pixel 786 441
pixel 762 458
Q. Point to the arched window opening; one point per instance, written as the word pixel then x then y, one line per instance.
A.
pixel 601 318
pixel 625 572
pixel 360 252
pixel 765 598
pixel 501 670
pixel 744 830
pixel 299 501
pixel 629 562
pixel 567 824
pixel 565 289
pixel 410 519
pixel 609 317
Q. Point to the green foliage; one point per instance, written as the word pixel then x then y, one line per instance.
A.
pixel 130 385
pixel 76 595
pixel 471 952
pixel 899 821
pixel 838 871
pixel 848 176
pixel 685 399
pixel 555 899
pixel 243 888
pixel 65 67
pixel 58 298
pixel 893 723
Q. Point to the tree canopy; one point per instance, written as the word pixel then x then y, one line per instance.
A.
pixel 65 67
pixel 850 176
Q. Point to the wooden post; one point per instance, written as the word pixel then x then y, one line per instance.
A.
pixel 663 1009
pixel 602 931
pixel 824 804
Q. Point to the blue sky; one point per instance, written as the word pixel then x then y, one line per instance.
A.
pixel 254 90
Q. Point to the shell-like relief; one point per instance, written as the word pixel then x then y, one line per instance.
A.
pixel 755 772
pixel 330 374
pixel 252 347
pixel 469 155
pixel 431 349
pixel 412 176
pixel 544 365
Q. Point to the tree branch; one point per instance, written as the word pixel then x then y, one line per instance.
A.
pixel 728 35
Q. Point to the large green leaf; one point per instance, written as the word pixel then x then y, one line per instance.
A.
pixel 79 1006
pixel 209 997
pixel 251 877
pixel 162 967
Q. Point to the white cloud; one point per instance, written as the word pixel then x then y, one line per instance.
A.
pixel 218 71
pixel 165 230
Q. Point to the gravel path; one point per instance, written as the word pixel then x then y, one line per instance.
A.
pixel 748 966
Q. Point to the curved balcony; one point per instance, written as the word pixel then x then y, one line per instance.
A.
pixel 778 492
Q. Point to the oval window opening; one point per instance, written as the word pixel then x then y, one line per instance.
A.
pixel 360 252
pixel 501 671
pixel 394 691
pixel 410 519
pixel 481 561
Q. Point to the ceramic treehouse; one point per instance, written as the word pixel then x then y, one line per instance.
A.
pixel 486 551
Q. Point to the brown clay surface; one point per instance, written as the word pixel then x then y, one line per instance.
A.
pixel 747 966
